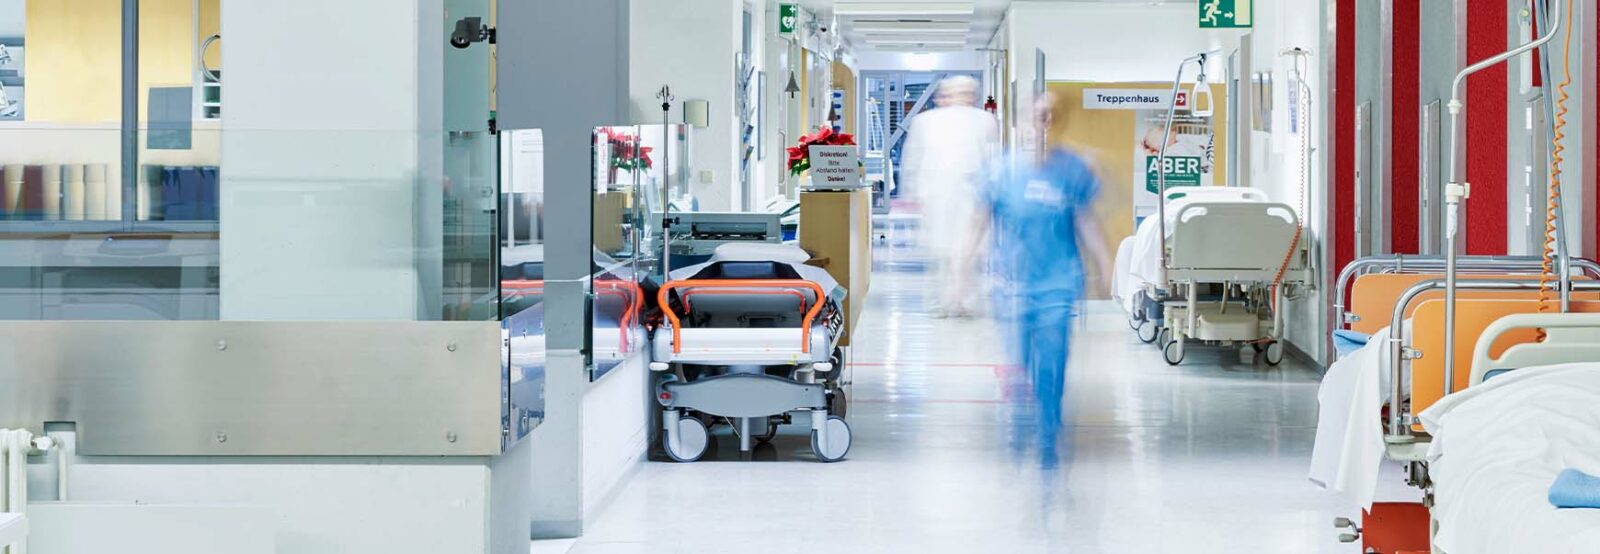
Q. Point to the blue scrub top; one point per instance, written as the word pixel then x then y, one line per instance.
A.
pixel 1035 209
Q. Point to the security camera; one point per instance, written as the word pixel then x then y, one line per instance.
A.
pixel 470 30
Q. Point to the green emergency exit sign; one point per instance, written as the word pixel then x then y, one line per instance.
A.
pixel 788 18
pixel 1225 14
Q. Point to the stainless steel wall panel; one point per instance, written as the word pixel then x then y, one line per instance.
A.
pixel 182 388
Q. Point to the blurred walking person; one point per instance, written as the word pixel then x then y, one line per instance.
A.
pixel 1041 213
pixel 944 163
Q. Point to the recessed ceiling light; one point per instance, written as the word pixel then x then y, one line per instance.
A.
pixel 901 41
pixel 902 8
pixel 896 27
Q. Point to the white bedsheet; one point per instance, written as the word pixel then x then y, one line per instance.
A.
pixel 1496 449
pixel 1348 453
pixel 1119 275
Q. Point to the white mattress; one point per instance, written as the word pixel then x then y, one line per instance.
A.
pixel 1349 449
pixel 1498 446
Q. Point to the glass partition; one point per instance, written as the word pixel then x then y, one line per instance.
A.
pixel 296 203
pixel 623 159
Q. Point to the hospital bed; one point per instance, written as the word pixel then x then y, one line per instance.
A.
pixel 1230 241
pixel 1139 275
pixel 1351 443
pixel 748 338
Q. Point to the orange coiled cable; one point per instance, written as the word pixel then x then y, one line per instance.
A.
pixel 1547 275
pixel 1305 160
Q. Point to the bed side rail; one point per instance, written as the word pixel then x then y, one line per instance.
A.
pixel 1232 235
pixel 1570 338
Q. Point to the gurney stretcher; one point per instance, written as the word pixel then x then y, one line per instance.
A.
pixel 750 341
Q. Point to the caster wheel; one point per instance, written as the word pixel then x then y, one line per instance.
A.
pixel 838 443
pixel 1134 321
pixel 772 431
pixel 838 404
pixel 1171 353
pixel 1274 353
pixel 1147 332
pixel 1164 338
pixel 693 438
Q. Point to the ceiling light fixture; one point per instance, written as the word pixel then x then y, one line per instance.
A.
pixel 931 42
pixel 895 27
pixel 848 9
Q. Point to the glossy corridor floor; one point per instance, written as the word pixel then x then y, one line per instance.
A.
pixel 1210 456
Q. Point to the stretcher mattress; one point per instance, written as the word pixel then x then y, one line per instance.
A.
pixel 1496 450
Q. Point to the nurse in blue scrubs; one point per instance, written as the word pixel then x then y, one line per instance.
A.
pixel 1040 212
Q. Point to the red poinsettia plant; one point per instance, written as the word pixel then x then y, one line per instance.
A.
pixel 627 154
pixel 800 156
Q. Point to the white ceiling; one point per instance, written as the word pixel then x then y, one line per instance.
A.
pixel 981 24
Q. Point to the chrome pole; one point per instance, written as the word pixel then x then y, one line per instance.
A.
pixel 1161 158
pixel 1456 191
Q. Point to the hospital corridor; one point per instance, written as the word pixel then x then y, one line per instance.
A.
pixel 799 276
pixel 1156 459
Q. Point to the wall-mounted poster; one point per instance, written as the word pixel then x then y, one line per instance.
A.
pixel 11 54
pixel 1190 146
pixel 1119 126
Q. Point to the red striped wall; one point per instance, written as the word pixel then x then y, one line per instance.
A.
pixel 1486 128
pixel 1406 120
pixel 1342 197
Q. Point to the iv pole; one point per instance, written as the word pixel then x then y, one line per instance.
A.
pixel 666 180
pixel 1455 191
pixel 1161 160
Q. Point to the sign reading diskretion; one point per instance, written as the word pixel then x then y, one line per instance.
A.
pixel 1132 99
pixel 835 168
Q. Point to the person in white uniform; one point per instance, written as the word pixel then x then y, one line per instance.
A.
pixel 944 163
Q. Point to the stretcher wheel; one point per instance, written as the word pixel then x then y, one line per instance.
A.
pixel 1147 332
pixel 1274 353
pixel 772 431
pixel 838 443
pixel 1134 321
pixel 838 404
pixel 1164 338
pixel 693 438
pixel 1172 354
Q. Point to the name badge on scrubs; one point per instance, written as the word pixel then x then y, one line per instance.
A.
pixel 1044 193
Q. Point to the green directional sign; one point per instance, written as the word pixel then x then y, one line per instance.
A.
pixel 1182 171
pixel 788 18
pixel 1225 14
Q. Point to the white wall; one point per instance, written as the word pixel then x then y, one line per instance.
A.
pixel 1275 162
pixel 616 432
pixel 1104 42
pixel 690 48
pixel 322 160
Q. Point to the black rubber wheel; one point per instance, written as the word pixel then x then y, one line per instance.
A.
pixel 772 431
pixel 1170 352
pixel 1274 354
pixel 1147 332
pixel 1134 320
pixel 1164 338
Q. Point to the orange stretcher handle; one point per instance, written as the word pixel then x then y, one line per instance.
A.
pixel 758 284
